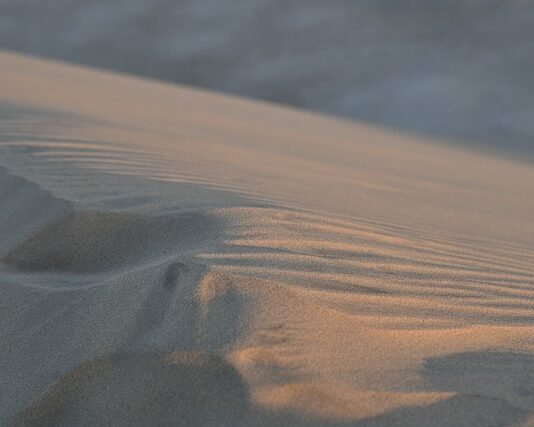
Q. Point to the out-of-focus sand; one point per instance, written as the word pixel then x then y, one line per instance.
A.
pixel 174 257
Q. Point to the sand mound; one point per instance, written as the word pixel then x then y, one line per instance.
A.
pixel 92 242
pixel 182 388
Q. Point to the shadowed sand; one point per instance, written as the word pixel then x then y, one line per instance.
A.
pixel 191 388
pixel 176 257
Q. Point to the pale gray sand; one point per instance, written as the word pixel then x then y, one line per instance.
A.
pixel 456 68
pixel 178 257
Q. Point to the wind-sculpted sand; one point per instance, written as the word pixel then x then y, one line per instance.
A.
pixel 173 257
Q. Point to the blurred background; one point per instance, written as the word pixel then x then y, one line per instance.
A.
pixel 460 69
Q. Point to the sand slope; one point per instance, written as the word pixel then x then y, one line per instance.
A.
pixel 178 257
pixel 456 68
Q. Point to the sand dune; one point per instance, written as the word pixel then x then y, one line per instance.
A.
pixel 176 257
pixel 455 68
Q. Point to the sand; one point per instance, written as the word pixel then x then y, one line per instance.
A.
pixel 456 68
pixel 178 257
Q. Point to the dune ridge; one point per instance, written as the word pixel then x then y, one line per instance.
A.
pixel 179 257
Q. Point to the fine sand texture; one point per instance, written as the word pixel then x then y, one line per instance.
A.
pixel 177 257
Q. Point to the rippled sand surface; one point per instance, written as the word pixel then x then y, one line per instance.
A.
pixel 177 257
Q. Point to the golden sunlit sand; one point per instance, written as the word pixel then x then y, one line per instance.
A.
pixel 176 257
